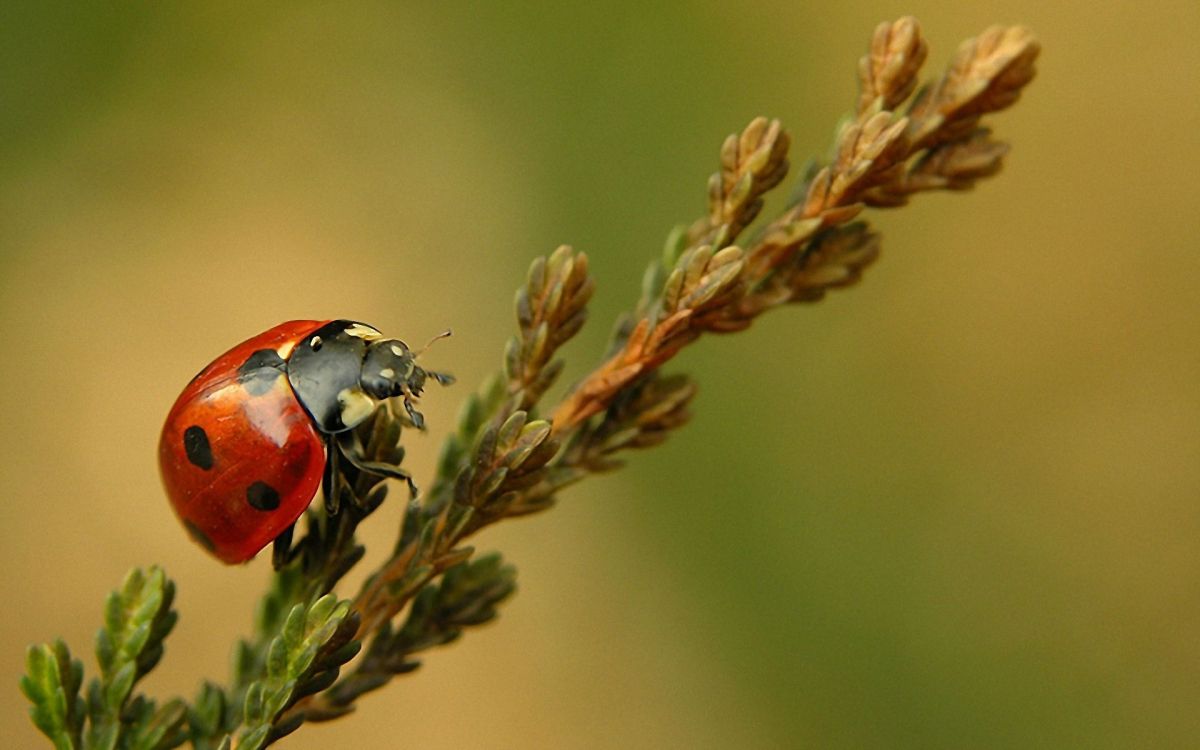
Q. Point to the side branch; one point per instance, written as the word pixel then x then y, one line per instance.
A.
pixel 881 158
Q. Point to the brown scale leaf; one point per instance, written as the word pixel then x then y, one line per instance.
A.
pixel 504 459
pixel 645 416
pixel 551 308
pixel 702 284
pixel 986 75
pixel 836 259
pixel 957 165
pixel 887 74
pixel 752 163
pixel 870 152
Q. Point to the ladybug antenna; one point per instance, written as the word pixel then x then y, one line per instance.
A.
pixel 441 377
pixel 444 334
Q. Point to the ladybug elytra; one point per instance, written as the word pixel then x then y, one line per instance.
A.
pixel 258 430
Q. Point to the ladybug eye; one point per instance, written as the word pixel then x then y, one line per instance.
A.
pixel 315 343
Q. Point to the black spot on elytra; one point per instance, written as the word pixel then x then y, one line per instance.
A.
pixel 262 496
pixel 195 533
pixel 258 373
pixel 195 445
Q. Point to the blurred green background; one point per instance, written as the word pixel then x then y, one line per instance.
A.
pixel 953 507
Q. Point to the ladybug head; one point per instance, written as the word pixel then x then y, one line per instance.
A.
pixel 390 369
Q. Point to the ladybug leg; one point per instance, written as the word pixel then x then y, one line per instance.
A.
pixel 417 418
pixel 412 392
pixel 281 550
pixel 352 452
pixel 329 483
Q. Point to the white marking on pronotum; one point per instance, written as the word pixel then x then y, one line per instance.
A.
pixel 315 342
pixel 388 373
pixel 397 350
pixel 355 405
pixel 361 331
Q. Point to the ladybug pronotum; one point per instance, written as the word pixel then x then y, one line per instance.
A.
pixel 253 435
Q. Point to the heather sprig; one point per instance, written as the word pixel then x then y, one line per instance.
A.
pixel 312 656
pixel 137 618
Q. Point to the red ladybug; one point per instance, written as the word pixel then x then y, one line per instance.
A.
pixel 254 435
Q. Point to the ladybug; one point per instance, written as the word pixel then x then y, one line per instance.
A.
pixel 255 433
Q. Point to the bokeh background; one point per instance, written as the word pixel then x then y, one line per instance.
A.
pixel 956 506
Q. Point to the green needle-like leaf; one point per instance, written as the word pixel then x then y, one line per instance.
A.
pixel 314 642
pixel 137 618
pixel 51 683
